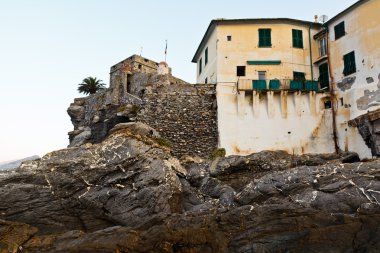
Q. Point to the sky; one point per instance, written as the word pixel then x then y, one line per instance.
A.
pixel 47 47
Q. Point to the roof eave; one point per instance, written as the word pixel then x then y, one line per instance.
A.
pixel 209 30
pixel 350 8
pixel 216 22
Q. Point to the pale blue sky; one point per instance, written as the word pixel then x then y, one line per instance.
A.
pixel 48 46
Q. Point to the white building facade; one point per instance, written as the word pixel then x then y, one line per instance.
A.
pixel 274 87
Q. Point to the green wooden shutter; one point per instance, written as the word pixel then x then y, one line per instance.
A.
pixel 200 66
pixel 349 63
pixel 324 75
pixel 206 56
pixel 265 38
pixel 297 38
pixel 339 30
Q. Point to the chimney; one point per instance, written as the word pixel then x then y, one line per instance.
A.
pixel 316 18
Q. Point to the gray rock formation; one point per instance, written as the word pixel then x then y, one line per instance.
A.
pixel 128 194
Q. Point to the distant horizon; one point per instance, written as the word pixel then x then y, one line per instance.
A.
pixel 49 47
pixel 21 158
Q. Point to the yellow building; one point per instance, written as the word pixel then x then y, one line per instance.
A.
pixel 273 80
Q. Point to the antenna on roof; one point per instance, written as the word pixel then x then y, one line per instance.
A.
pixel 323 19
pixel 141 48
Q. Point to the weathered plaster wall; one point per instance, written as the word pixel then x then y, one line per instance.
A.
pixel 183 114
pixel 295 122
pixel 359 92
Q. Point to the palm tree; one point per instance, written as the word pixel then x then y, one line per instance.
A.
pixel 90 85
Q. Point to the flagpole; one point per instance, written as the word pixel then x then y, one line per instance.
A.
pixel 166 49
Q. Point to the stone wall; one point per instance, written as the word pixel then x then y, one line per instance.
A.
pixel 183 114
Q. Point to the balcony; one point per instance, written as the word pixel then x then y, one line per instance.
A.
pixel 278 85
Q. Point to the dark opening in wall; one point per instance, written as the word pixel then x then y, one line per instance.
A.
pixel 140 66
pixel 240 70
pixel 341 102
pixel 327 104
pixel 129 76
pixel 229 37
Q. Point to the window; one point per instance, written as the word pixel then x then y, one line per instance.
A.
pixel 339 30
pixel 262 75
pixel 229 37
pixel 349 63
pixel 200 66
pixel 265 38
pixel 299 76
pixel 297 38
pixel 322 46
pixel 324 79
pixel 240 70
pixel 206 56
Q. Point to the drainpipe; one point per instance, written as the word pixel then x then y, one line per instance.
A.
pixel 332 95
pixel 311 56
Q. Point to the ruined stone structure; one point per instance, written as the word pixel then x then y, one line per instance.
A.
pixel 121 73
pixel 142 90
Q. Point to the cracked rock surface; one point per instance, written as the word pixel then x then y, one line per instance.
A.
pixel 127 194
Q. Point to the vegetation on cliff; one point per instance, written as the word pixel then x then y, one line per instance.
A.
pixel 90 85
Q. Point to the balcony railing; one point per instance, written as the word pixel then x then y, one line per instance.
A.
pixel 278 85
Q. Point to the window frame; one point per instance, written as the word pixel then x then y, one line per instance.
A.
pixel 265 40
pixel 240 68
pixel 297 38
pixel 261 74
pixel 322 47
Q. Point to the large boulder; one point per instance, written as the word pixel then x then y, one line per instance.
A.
pixel 127 180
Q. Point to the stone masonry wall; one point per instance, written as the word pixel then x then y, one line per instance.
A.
pixel 185 115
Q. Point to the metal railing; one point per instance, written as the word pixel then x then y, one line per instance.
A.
pixel 279 84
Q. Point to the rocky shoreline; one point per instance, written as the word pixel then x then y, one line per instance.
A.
pixel 128 194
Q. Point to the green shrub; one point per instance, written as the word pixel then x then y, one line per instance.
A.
pixel 121 108
pixel 220 152
pixel 135 109
pixel 163 142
